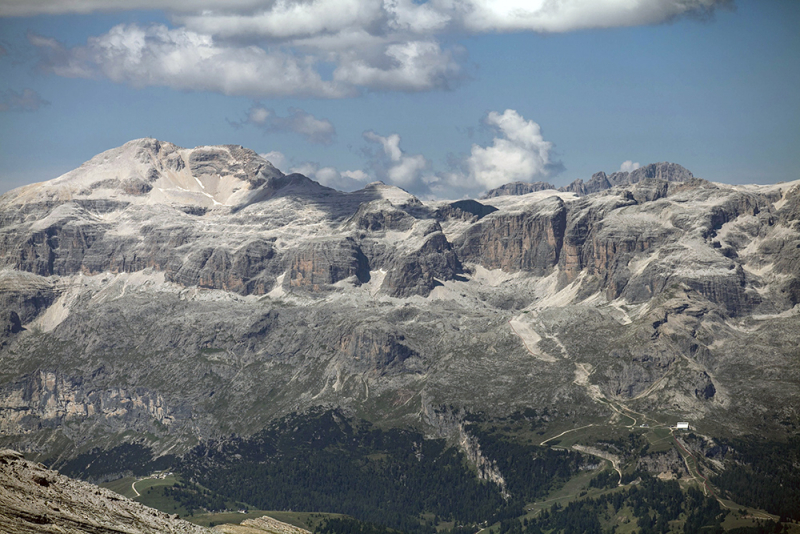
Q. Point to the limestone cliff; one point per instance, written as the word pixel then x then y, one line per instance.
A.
pixel 184 294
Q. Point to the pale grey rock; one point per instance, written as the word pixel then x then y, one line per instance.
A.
pixel 518 188
pixel 36 500
pixel 316 264
pixel 381 215
pixel 667 172
pixel 421 269
pixel 530 240
pixel 598 182
pixel 186 294
pixel 467 210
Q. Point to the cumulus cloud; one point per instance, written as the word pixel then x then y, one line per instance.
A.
pixel 277 159
pixel 628 166
pixel 519 153
pixel 269 48
pixel 27 100
pixel 185 60
pixel 410 66
pixel 286 19
pixel 396 167
pixel 314 130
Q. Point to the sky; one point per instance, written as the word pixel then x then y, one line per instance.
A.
pixel 444 98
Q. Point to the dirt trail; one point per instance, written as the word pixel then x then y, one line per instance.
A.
pixel 565 432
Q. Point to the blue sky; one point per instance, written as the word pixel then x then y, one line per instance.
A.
pixel 443 98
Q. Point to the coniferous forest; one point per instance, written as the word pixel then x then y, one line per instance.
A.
pixel 398 480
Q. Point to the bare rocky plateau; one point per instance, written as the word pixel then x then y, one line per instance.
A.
pixel 167 296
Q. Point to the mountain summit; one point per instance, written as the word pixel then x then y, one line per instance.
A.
pixel 150 171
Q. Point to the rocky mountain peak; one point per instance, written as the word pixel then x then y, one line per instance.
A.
pixel 149 171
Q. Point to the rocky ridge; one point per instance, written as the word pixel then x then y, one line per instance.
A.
pixel 600 181
pixel 36 500
pixel 183 294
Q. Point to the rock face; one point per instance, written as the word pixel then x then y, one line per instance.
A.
pixel 419 270
pixel 662 172
pixel 57 399
pixel 317 264
pixel 182 294
pixel 35 500
pixel 530 240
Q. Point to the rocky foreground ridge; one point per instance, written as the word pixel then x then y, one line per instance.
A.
pixel 35 500
pixel 189 293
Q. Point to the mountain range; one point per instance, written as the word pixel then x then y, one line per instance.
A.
pixel 170 297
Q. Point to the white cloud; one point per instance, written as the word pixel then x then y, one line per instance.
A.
pixel 410 66
pixel 27 100
pixel 410 16
pixel 398 168
pixel 277 159
pixel 285 19
pixel 391 144
pixel 298 121
pixel 23 8
pixel 291 18
pixel 547 16
pixel 258 115
pixel 519 154
pixel 357 175
pixel 330 177
pixel 373 45
pixel 628 166
pixel 185 60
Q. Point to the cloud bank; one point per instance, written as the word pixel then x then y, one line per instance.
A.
pixel 275 48
pixel 291 18
pixel 185 60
